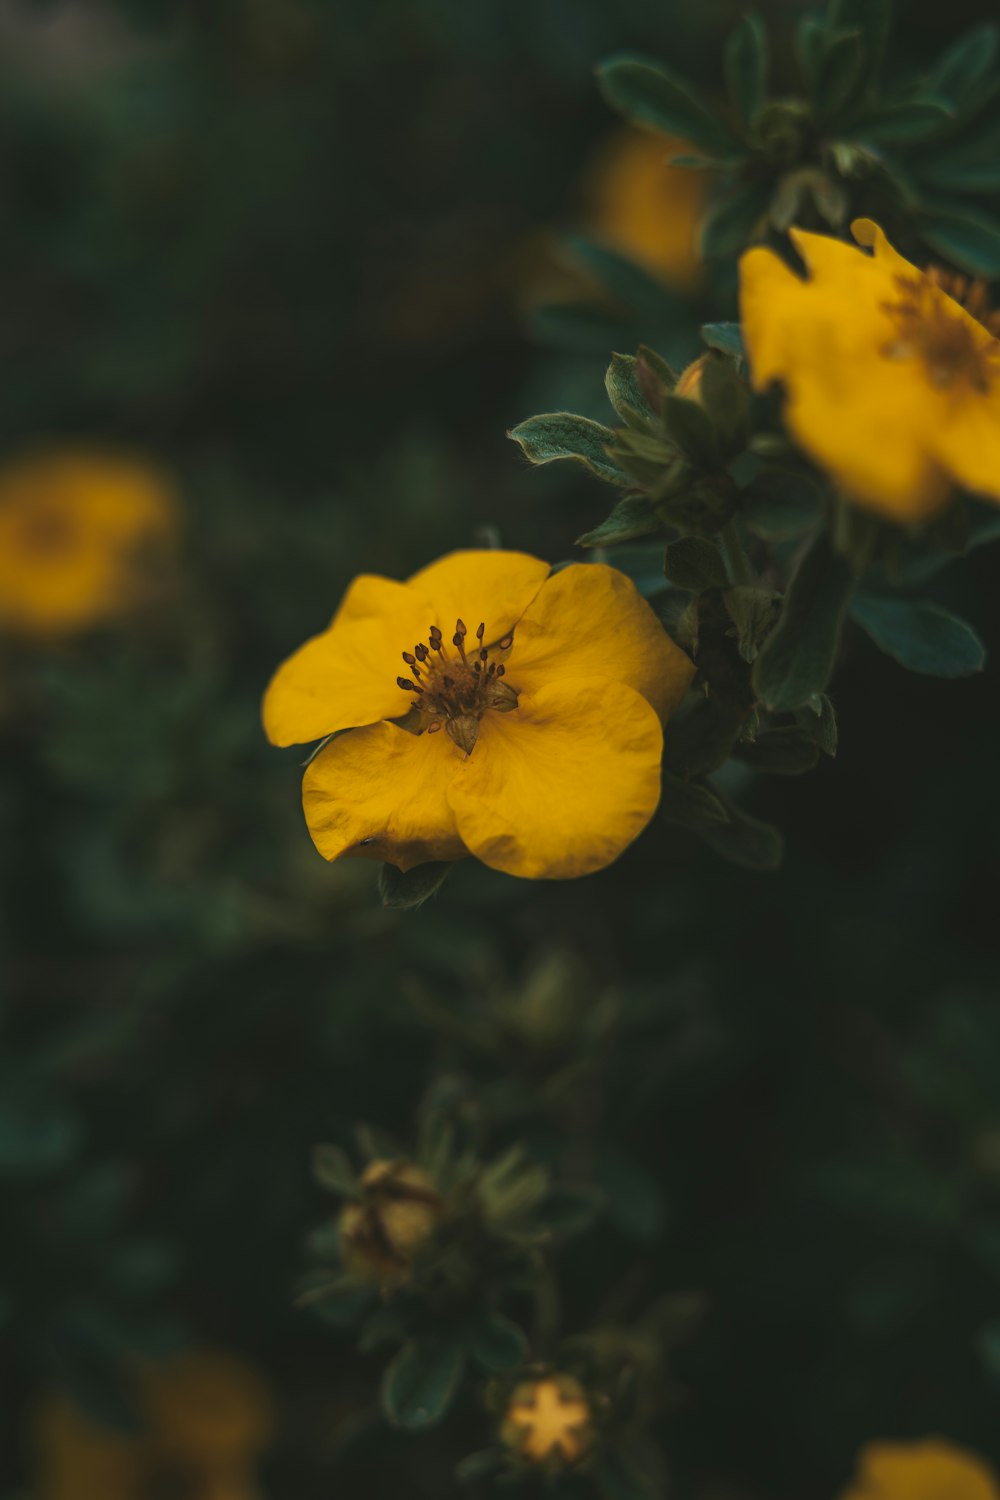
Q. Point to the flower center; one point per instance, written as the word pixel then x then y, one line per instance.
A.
pixel 453 691
pixel 927 325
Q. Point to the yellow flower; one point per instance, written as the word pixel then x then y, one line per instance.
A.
pixel 929 1470
pixel 646 208
pixel 205 1419
pixel 76 530
pixel 892 385
pixel 550 705
pixel 549 1418
pixel 383 1233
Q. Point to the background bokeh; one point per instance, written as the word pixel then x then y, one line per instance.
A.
pixel 289 255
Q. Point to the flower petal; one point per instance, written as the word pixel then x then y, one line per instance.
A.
pixel 493 587
pixel 563 784
pixel 863 417
pixel 966 443
pixel 590 620
pixel 921 1471
pixel 347 675
pixel 380 792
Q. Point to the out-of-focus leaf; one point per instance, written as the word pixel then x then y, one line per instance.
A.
pixel 726 337
pixel 497 1344
pixel 648 93
pixel 971 241
pixel 420 1384
pixel 922 637
pixel 746 60
pixel 964 64
pixel 904 124
pixel 796 660
pixel 407 891
pixel 633 516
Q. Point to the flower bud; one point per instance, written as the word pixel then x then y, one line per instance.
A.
pixel 398 1212
pixel 689 380
pixel 549 1418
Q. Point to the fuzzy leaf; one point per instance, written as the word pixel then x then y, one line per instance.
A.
pixel 556 435
pixel 922 637
pixel 624 391
pixel 647 93
pixel 904 124
pixel 632 517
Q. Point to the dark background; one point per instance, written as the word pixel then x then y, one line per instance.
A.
pixel 283 249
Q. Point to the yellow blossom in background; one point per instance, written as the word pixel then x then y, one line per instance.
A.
pixel 892 384
pixel 205 1419
pixel 77 533
pixel 533 732
pixel 649 210
pixel 548 1419
pixel 399 1210
pixel 933 1469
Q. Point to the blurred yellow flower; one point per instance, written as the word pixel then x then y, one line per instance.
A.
pixel 77 531
pixel 551 707
pixel 206 1417
pixel 383 1233
pixel 929 1470
pixel 648 209
pixel 892 384
pixel 548 1418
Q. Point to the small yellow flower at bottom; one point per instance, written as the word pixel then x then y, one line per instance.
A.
pixel 77 532
pixel 530 737
pixel 932 1469
pixel 549 1419
pixel 891 374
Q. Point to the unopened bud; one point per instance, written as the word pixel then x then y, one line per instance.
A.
pixel 689 380
pixel 398 1212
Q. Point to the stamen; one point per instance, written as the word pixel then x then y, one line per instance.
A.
pixel 407 685
pixel 506 643
pixel 456 692
pixel 411 661
pixel 481 632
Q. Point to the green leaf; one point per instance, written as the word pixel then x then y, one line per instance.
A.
pixel 691 804
pixel 618 1479
pixel 497 1344
pixel 633 516
pixel 971 241
pixel 797 658
pixel 633 286
pixel 841 72
pixel 409 891
pixel 726 337
pixel 624 391
pixel 819 720
pixel 332 1169
pixel 569 1210
pixel 37 1134
pixel 957 173
pixel 988 1345
pixel 694 564
pixel 903 124
pixel 752 611
pixel 810 48
pixel 557 435
pixel 735 221
pixel 922 637
pixel 746 63
pixel 788 751
pixel 690 429
pixel 420 1384
pixel 871 17
pixel 647 93
pixel 579 327
pixel 744 840
pixel 966 63
pixel 781 503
